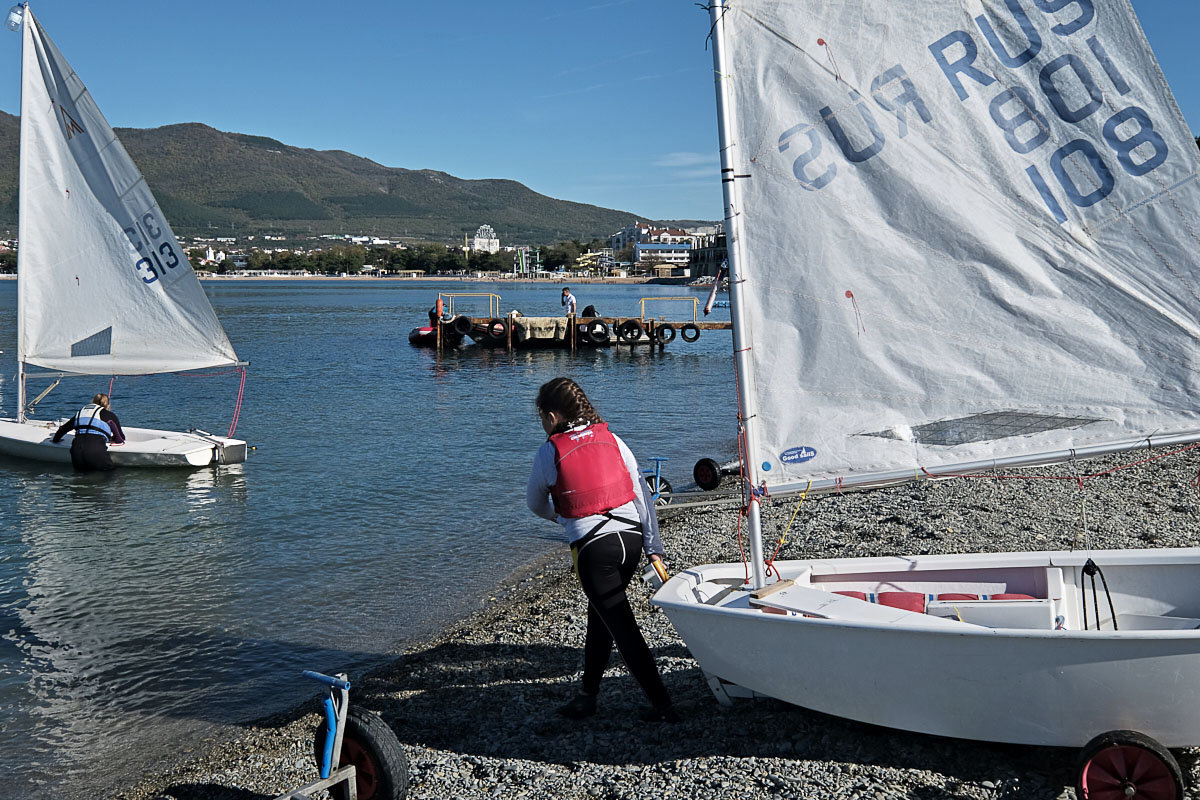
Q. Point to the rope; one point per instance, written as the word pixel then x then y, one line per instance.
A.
pixel 783 537
pixel 237 408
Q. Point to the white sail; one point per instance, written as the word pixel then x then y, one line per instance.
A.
pixel 105 287
pixel 963 231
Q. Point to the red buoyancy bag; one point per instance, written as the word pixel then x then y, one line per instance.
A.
pixel 592 477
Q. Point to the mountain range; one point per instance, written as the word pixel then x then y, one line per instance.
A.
pixel 211 182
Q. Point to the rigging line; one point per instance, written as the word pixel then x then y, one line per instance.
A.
pixel 712 28
pixel 237 409
pixel 783 537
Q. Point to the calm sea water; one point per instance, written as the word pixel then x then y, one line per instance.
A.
pixel 142 610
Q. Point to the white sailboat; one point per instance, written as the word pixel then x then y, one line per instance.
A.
pixel 104 287
pixel 964 235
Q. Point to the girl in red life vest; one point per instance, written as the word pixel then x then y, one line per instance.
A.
pixel 587 480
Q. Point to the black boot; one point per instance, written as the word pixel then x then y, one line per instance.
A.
pixel 580 707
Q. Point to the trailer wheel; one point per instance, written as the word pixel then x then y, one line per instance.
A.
pixel 664 334
pixel 707 474
pixel 689 332
pixel 497 330
pixel 463 325
pixel 662 487
pixel 380 766
pixel 1127 765
pixel 629 331
pixel 596 331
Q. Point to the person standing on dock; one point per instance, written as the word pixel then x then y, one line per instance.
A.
pixel 95 426
pixel 568 300
pixel 587 480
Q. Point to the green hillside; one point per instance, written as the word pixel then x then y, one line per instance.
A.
pixel 206 180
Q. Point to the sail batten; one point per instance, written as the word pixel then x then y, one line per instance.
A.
pixel 96 252
pixel 941 214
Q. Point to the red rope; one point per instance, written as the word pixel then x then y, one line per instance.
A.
pixel 237 409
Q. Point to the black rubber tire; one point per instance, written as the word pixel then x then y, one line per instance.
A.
pixel 462 325
pixel 689 332
pixel 663 487
pixel 707 474
pixel 381 767
pixel 664 334
pixel 596 331
pixel 497 330
pixel 1095 769
pixel 630 330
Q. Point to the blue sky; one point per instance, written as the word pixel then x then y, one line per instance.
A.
pixel 600 101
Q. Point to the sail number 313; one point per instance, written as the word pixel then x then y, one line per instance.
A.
pixel 156 252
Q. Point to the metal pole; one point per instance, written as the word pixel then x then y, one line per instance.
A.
pixel 738 275
pixel 20 391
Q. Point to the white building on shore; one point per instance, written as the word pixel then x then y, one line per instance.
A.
pixel 485 241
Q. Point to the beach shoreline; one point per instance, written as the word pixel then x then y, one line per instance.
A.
pixel 474 706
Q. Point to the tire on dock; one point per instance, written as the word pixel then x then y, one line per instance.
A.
pixel 497 330
pixel 462 325
pixel 630 330
pixel 689 332
pixel 596 331
pixel 664 334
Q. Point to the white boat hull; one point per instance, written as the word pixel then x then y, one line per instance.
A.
pixel 144 447
pixel 952 678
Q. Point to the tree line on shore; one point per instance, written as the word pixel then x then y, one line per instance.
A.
pixel 427 258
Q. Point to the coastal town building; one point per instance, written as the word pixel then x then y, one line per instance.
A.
pixel 709 254
pixel 654 253
pixel 485 240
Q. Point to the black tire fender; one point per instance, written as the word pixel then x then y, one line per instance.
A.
pixel 664 333
pixel 689 332
pixel 596 331
pixel 630 330
pixel 497 329
pixel 381 767
pixel 463 325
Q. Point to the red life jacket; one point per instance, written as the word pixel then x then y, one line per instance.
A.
pixel 592 477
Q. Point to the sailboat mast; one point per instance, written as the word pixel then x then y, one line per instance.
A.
pixel 23 214
pixel 747 409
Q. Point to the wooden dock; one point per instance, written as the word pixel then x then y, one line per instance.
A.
pixel 572 332
pixel 516 331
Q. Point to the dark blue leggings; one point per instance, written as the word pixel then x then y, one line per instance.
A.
pixel 606 564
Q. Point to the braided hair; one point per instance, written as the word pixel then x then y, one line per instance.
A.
pixel 564 397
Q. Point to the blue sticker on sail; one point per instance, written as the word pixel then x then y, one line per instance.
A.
pixel 798 455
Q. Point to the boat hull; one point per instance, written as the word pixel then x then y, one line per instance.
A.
pixel 1022 686
pixel 144 447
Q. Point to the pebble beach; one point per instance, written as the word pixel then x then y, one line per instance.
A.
pixel 474 707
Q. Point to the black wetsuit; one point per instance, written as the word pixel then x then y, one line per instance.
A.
pixel 89 451
pixel 606 563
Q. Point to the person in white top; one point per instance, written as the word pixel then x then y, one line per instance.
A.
pixel 568 300
pixel 586 479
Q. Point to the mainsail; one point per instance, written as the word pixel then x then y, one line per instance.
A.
pixel 963 232
pixel 105 287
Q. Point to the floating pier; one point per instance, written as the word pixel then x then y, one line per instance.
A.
pixel 516 331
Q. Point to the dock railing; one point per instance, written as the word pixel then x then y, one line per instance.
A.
pixel 642 304
pixel 449 297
